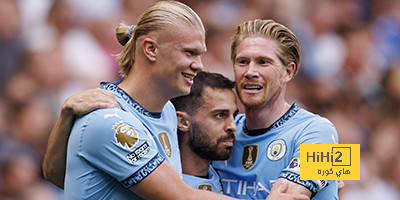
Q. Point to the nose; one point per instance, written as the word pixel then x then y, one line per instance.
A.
pixel 231 126
pixel 197 64
pixel 251 71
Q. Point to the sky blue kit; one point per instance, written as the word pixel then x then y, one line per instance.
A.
pixel 110 150
pixel 211 183
pixel 258 160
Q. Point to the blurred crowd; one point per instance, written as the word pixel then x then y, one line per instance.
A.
pixel 350 74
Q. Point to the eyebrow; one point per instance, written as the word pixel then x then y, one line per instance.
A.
pixel 225 111
pixel 220 110
pixel 256 58
pixel 195 50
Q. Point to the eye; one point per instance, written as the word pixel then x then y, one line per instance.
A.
pixel 219 115
pixel 264 62
pixel 242 62
pixel 189 52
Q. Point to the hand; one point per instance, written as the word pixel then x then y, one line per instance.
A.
pixel 279 189
pixel 90 100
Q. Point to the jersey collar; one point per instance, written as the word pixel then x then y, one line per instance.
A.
pixel 289 114
pixel 113 87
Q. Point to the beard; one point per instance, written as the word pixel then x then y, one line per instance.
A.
pixel 265 99
pixel 202 144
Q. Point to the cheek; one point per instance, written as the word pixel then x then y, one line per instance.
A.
pixel 239 72
pixel 211 128
pixel 274 76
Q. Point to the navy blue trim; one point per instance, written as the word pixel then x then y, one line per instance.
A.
pixel 219 179
pixel 144 171
pixel 289 114
pixel 309 184
pixel 113 86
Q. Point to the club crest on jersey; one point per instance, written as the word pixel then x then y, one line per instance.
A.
pixel 249 156
pixel 205 187
pixel 166 145
pixel 276 150
pixel 125 135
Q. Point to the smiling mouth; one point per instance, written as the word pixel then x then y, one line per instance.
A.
pixel 188 76
pixel 252 87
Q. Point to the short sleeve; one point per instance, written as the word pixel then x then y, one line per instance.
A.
pixel 117 143
pixel 319 131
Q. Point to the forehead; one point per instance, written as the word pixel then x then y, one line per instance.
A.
pixel 257 47
pixel 185 36
pixel 218 99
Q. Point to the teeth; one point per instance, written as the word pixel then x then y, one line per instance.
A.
pixel 188 76
pixel 253 87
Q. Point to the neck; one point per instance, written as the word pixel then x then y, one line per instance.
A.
pixel 143 89
pixel 259 118
pixel 192 164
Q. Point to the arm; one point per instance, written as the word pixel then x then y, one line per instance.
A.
pixel 284 189
pixel 292 187
pixel 54 162
pixel 319 131
pixel 55 158
pixel 173 187
pixel 165 183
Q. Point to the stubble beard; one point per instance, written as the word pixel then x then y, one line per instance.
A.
pixel 263 100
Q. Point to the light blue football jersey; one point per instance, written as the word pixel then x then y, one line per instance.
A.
pixel 257 161
pixel 212 183
pixel 110 150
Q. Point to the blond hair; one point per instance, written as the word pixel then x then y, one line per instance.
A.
pixel 287 42
pixel 162 15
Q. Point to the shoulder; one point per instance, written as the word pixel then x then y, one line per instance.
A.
pixel 169 107
pixel 101 124
pixel 107 116
pixel 313 120
pixel 113 130
pixel 168 110
pixel 317 127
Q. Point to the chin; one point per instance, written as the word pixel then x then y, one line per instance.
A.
pixel 225 154
pixel 185 92
pixel 252 103
pixel 182 91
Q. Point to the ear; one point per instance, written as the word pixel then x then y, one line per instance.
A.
pixel 149 49
pixel 289 72
pixel 183 121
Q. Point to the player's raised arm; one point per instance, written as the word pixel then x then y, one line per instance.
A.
pixel 55 158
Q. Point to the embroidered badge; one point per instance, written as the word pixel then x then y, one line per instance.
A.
pixel 276 150
pixel 322 183
pixel 205 187
pixel 138 153
pixel 166 145
pixel 295 164
pixel 249 156
pixel 125 135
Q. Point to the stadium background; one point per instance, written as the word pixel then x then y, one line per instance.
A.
pixel 350 73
